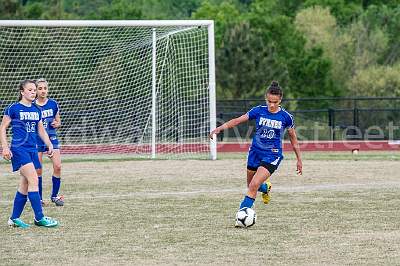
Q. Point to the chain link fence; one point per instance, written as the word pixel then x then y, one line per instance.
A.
pixel 350 118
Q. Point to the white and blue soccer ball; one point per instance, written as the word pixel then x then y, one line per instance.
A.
pixel 245 217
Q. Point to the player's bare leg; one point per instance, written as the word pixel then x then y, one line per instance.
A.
pixel 250 174
pixel 56 160
pixel 265 188
pixel 29 172
pixel 40 171
pixel 40 178
pixel 19 204
pixel 260 176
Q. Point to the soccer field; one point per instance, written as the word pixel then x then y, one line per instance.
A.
pixel 344 210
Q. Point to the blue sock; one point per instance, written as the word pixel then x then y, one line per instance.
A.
pixel 19 204
pixel 40 183
pixel 247 202
pixel 263 188
pixel 34 198
pixel 56 186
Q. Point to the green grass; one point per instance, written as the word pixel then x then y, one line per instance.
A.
pixel 342 155
pixel 340 212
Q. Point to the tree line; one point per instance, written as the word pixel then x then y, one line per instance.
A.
pixel 314 48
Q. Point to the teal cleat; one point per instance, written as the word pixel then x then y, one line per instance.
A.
pixel 46 222
pixel 17 222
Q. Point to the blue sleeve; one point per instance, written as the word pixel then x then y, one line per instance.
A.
pixel 289 121
pixel 8 111
pixel 253 113
pixel 56 107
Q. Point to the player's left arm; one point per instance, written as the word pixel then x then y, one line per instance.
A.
pixel 43 135
pixel 57 121
pixel 296 149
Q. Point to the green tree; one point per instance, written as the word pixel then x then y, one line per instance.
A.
pixel 351 49
pixel 313 47
pixel 224 15
pixel 168 9
pixel 387 20
pixel 308 71
pixel 377 81
pixel 310 76
pixel 345 11
pixel 9 9
pixel 318 26
pixel 260 45
pixel 391 3
pixel 246 64
pixel 117 9
pixel 369 43
pixel 321 31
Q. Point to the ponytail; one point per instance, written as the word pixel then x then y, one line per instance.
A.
pixel 274 89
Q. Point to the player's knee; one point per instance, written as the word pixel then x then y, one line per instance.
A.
pixel 23 187
pixel 33 182
pixel 57 168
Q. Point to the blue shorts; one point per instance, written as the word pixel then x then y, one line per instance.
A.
pixel 269 160
pixel 43 148
pixel 20 157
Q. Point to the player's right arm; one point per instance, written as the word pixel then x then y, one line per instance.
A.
pixel 43 135
pixel 57 121
pixel 6 152
pixel 230 124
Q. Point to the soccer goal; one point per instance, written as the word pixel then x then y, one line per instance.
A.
pixel 139 87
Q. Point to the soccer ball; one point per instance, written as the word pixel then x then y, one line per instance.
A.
pixel 245 217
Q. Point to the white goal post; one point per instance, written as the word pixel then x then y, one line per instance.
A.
pixel 124 86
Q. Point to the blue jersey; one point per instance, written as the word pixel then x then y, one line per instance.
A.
pixel 270 128
pixel 49 112
pixel 24 123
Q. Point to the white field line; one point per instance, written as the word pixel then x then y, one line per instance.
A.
pixel 278 189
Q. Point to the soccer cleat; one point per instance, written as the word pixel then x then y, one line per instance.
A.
pixel 266 197
pixel 17 222
pixel 237 224
pixel 46 222
pixel 59 200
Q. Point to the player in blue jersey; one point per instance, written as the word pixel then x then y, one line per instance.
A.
pixel 26 122
pixel 265 152
pixel 51 121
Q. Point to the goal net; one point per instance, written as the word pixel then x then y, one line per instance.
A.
pixel 138 87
